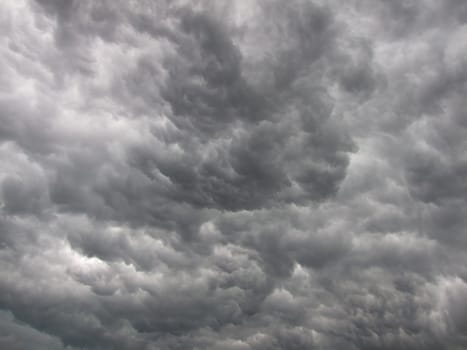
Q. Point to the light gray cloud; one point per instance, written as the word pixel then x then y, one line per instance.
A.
pixel 233 175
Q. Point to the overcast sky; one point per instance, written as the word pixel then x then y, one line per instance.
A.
pixel 233 175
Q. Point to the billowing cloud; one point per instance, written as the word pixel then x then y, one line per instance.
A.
pixel 233 175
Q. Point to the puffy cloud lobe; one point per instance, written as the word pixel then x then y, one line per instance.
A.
pixel 217 175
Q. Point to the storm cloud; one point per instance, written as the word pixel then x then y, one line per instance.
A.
pixel 233 174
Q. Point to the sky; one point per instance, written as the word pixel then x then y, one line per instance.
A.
pixel 233 175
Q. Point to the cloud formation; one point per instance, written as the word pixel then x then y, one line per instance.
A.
pixel 233 175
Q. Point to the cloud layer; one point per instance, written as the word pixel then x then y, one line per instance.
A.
pixel 239 175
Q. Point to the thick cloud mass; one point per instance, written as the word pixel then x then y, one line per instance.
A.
pixel 244 175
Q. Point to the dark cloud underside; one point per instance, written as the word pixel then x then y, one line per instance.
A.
pixel 244 175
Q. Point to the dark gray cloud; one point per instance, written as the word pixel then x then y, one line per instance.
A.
pixel 233 175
